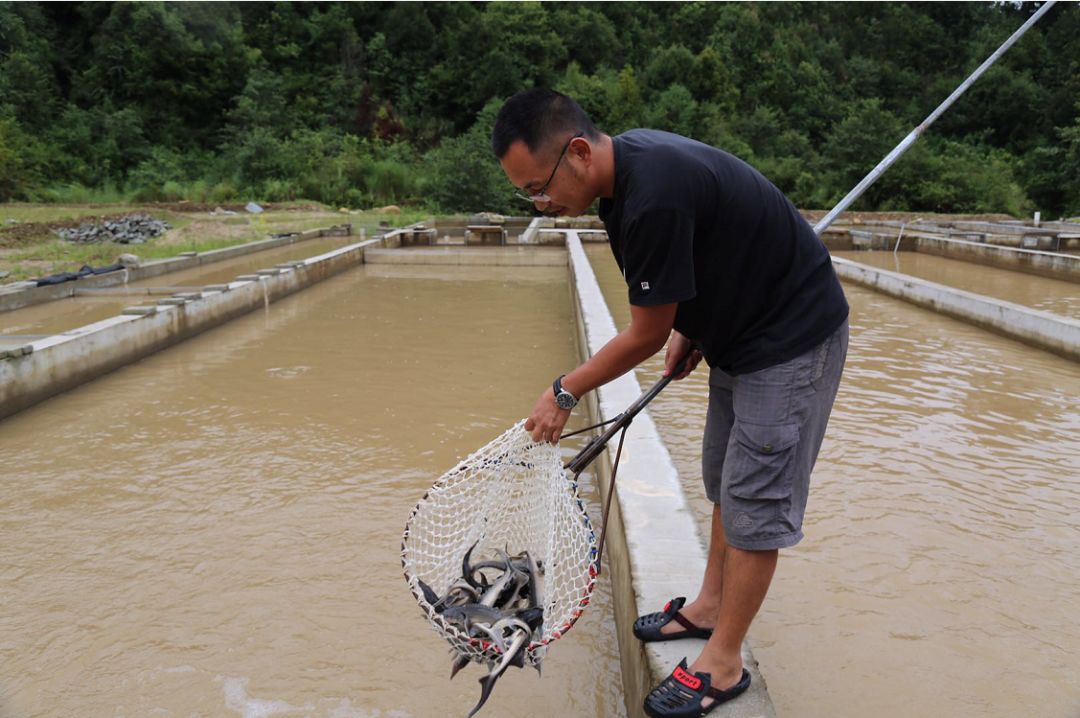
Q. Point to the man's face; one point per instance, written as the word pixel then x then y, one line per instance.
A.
pixel 555 180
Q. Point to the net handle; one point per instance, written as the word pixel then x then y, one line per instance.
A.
pixel 619 424
pixel 587 455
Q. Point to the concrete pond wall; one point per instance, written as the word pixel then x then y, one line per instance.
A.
pixel 1041 259
pixel 24 294
pixel 1044 330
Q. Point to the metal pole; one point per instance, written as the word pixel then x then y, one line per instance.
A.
pixel 915 133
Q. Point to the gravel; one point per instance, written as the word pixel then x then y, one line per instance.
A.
pixel 133 229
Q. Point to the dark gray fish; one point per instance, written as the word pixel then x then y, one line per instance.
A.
pixel 487 683
pixel 466 569
pixel 429 595
pixel 458 594
pixel 494 594
pixel 532 617
pixel 473 612
pixel 499 600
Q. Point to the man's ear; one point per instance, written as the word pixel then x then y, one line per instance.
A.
pixel 582 149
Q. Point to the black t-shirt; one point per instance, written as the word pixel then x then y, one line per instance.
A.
pixel 692 224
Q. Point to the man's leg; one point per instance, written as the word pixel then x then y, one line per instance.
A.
pixel 746 579
pixel 780 416
pixel 731 594
pixel 718 422
pixel 704 609
pixel 761 441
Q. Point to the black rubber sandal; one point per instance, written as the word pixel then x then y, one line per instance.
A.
pixel 681 694
pixel 647 627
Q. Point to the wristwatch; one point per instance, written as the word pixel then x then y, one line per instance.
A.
pixel 563 398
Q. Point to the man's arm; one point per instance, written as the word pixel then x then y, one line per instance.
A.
pixel 648 332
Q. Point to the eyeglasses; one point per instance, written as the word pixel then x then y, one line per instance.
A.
pixel 541 194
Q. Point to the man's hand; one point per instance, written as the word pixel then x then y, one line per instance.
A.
pixel 677 347
pixel 547 420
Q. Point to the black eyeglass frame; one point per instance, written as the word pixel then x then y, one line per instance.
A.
pixel 541 194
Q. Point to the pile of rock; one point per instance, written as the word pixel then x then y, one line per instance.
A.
pixel 133 229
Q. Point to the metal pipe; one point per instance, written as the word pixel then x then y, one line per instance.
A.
pixel 915 133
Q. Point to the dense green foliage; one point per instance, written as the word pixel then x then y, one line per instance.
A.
pixel 374 103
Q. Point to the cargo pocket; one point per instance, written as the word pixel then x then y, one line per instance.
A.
pixel 763 458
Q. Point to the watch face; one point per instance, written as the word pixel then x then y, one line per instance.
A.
pixel 565 400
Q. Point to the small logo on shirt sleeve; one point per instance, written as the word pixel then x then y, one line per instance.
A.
pixel 645 286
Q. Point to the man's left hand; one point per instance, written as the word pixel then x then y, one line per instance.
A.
pixel 547 420
pixel 678 346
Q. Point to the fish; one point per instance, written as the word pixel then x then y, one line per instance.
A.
pixel 536 595
pixel 493 594
pixel 487 683
pixel 429 594
pixel 474 612
pixel 499 601
pixel 466 569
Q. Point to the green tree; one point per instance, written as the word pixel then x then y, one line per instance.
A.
pixel 464 175
pixel 675 110
pixel 624 99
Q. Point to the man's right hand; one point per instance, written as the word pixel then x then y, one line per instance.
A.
pixel 677 347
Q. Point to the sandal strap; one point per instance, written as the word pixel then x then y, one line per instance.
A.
pixel 685 622
pixel 735 690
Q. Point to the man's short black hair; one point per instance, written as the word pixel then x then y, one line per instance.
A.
pixel 536 117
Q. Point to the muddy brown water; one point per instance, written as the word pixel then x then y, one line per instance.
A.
pixel 1049 295
pixel 65 314
pixel 940 573
pixel 215 530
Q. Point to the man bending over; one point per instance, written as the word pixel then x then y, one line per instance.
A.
pixel 720 264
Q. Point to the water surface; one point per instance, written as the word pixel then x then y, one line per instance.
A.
pixel 215 530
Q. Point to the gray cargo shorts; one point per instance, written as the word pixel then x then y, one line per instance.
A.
pixel 762 437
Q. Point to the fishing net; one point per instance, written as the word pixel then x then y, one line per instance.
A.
pixel 512 494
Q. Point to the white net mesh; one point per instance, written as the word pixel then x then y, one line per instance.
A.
pixel 512 494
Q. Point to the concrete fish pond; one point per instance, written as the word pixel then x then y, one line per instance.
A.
pixel 251 445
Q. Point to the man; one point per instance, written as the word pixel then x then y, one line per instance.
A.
pixel 718 264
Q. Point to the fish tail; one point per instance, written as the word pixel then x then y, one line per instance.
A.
pixel 486 684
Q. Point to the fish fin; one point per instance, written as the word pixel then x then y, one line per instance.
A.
pixel 459 663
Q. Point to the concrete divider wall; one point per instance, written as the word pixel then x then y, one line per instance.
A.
pixel 1053 265
pixel 1055 333
pixel 49 366
pixel 25 294
pixel 654 550
pixel 508 256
